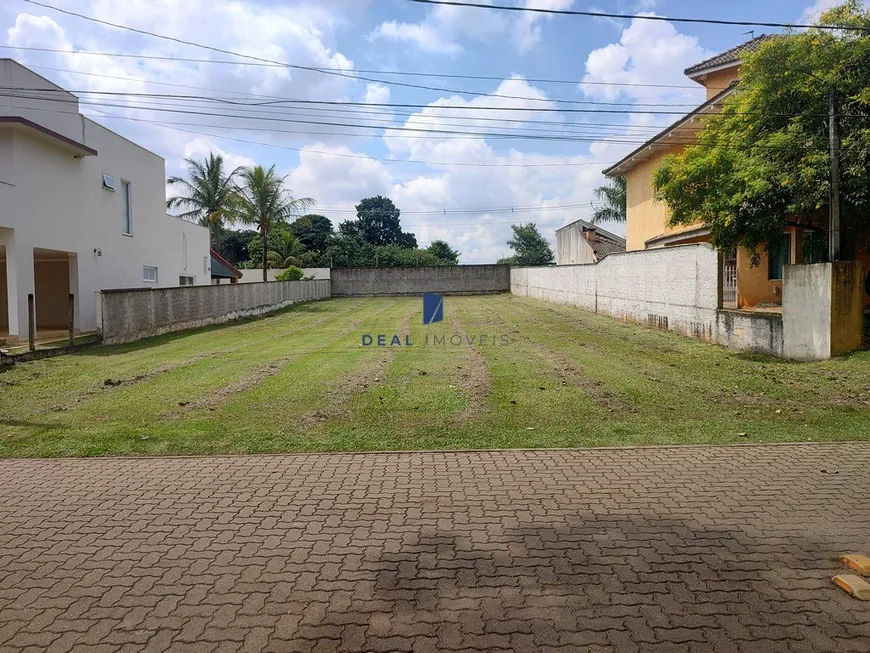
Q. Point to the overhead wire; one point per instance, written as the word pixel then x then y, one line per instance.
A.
pixel 651 17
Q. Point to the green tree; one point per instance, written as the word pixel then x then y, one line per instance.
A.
pixel 285 250
pixel 613 198
pixel 266 202
pixel 443 252
pixel 764 158
pixel 530 247
pixel 313 230
pixel 233 245
pixel 377 223
pixel 209 196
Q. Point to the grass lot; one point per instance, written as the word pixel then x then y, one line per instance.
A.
pixel 300 380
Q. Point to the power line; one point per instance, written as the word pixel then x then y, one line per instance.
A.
pixel 346 74
pixel 146 57
pixel 443 134
pixel 602 14
pixel 409 105
pixel 172 126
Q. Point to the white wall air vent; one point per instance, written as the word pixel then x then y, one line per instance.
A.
pixel 109 182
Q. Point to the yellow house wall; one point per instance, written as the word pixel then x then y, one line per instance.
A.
pixel 645 217
pixel 718 81
pixel 753 286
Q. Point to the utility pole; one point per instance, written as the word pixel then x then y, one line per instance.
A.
pixel 834 146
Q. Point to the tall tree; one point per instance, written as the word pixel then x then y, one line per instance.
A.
pixel 443 252
pixel 530 247
pixel 613 198
pixel 377 223
pixel 233 245
pixel 765 157
pixel 266 201
pixel 313 230
pixel 209 195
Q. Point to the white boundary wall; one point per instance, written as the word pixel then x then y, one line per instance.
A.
pixel 674 288
pixel 128 315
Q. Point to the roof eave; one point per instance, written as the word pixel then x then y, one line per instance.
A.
pixel 619 168
pixel 33 128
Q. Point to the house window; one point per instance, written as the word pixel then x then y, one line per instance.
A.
pixel 126 209
pixel 815 246
pixel 186 280
pixel 149 274
pixel 109 182
pixel 779 256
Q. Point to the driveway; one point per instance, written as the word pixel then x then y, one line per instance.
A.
pixel 662 549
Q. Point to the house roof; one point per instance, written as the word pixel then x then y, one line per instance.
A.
pixel 24 124
pixel 222 268
pixel 686 123
pixel 727 58
pixel 605 243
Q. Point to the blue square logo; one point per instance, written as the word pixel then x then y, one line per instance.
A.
pixel 433 308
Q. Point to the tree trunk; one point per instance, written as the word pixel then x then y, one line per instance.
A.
pixel 264 232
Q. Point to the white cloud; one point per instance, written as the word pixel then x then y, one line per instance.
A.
pixel 648 52
pixel 445 27
pixel 338 182
pixel 377 94
pixel 527 29
pixel 201 146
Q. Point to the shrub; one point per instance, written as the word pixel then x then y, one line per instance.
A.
pixel 292 273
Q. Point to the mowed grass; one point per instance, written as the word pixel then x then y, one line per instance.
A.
pixel 300 380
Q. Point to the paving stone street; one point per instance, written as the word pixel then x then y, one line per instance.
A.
pixel 659 549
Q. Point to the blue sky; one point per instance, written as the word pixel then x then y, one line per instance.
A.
pixel 454 186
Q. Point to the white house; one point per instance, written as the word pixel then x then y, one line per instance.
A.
pixel 82 209
pixel 584 242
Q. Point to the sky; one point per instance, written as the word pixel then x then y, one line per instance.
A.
pixel 457 173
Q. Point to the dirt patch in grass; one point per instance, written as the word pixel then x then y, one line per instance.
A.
pixel 473 378
pixel 259 374
pixel 109 383
pixel 340 396
pixel 567 371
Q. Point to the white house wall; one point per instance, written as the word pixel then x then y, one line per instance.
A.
pixel 50 199
pixel 572 247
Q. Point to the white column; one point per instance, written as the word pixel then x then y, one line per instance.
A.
pixel 19 283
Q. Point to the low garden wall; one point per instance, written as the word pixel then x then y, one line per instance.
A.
pixel 447 279
pixel 128 315
pixel 674 288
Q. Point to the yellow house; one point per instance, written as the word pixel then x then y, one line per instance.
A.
pixel 744 285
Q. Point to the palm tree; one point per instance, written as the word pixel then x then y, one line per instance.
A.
pixel 287 251
pixel 264 200
pixel 210 195
pixel 614 197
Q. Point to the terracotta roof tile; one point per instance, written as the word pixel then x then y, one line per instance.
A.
pixel 733 55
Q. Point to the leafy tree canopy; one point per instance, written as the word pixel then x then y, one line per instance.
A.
pixel 764 158
pixel 313 231
pixel 530 247
pixel 233 245
pixel 443 252
pixel 377 223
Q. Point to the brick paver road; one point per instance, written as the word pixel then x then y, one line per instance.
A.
pixel 674 549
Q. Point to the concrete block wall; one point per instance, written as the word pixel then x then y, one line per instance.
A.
pixel 448 279
pixel 128 315
pixel 674 288
pixel 823 309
